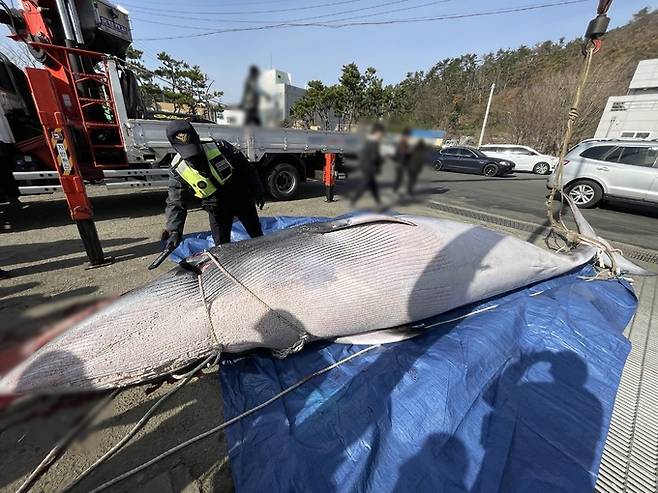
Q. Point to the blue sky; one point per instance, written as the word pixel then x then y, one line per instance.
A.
pixel 318 53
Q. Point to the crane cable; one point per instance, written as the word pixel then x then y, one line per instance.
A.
pixel 572 237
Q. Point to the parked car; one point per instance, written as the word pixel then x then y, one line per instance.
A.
pixel 597 169
pixel 470 160
pixel 525 158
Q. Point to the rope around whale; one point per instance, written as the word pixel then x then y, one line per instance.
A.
pixel 304 336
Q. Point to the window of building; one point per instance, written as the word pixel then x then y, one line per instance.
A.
pixel 635 135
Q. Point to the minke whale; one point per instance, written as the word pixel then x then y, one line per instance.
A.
pixel 343 280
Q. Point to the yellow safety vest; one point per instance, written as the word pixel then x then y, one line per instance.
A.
pixel 219 166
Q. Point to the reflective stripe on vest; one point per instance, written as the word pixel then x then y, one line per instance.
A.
pixel 202 186
pixel 220 168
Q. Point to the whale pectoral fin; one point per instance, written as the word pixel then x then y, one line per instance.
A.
pixel 365 219
pixel 384 336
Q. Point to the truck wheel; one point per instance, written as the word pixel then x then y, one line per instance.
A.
pixel 584 193
pixel 283 181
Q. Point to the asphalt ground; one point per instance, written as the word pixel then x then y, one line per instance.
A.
pixel 521 196
pixel 39 246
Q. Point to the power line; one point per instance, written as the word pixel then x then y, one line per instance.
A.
pixel 392 11
pixel 249 12
pixel 287 21
pixel 269 21
pixel 369 23
pixel 180 26
pixel 159 3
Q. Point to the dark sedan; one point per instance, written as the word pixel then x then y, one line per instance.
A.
pixel 470 160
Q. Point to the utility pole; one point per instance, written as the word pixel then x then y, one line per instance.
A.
pixel 486 114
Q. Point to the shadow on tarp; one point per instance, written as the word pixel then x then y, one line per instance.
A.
pixel 507 400
pixel 517 398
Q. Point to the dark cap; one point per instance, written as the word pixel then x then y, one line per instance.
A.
pixel 183 137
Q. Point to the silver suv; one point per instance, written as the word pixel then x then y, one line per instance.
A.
pixel 625 169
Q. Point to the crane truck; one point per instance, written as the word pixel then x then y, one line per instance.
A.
pixel 81 117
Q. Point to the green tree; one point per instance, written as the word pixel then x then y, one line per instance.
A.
pixel 316 106
pixel 197 84
pixel 351 93
pixel 175 72
pixel 151 91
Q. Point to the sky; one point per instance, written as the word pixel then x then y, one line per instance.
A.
pixel 319 52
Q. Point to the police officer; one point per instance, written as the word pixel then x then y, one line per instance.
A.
pixel 218 174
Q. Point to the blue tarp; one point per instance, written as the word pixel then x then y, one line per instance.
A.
pixel 198 242
pixel 516 398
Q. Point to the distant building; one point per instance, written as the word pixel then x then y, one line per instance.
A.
pixel 636 114
pixel 279 96
pixel 277 84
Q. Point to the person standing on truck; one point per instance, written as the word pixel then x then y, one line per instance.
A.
pixel 251 97
pixel 370 161
pixel 218 174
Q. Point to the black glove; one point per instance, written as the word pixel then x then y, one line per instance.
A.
pixel 173 241
pixel 260 202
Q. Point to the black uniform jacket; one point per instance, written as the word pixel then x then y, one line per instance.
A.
pixel 244 186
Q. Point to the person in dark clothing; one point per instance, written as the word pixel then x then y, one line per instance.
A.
pixel 217 173
pixel 401 158
pixel 419 157
pixel 370 161
pixel 251 97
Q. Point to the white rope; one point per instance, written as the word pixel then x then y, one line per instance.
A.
pixel 231 421
pixel 474 312
pixel 188 376
pixel 207 310
pixel 57 449
pixel 278 353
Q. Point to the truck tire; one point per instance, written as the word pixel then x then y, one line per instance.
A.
pixel 283 181
pixel 585 193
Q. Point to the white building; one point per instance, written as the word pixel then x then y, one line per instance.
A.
pixel 636 114
pixel 279 95
pixel 277 84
